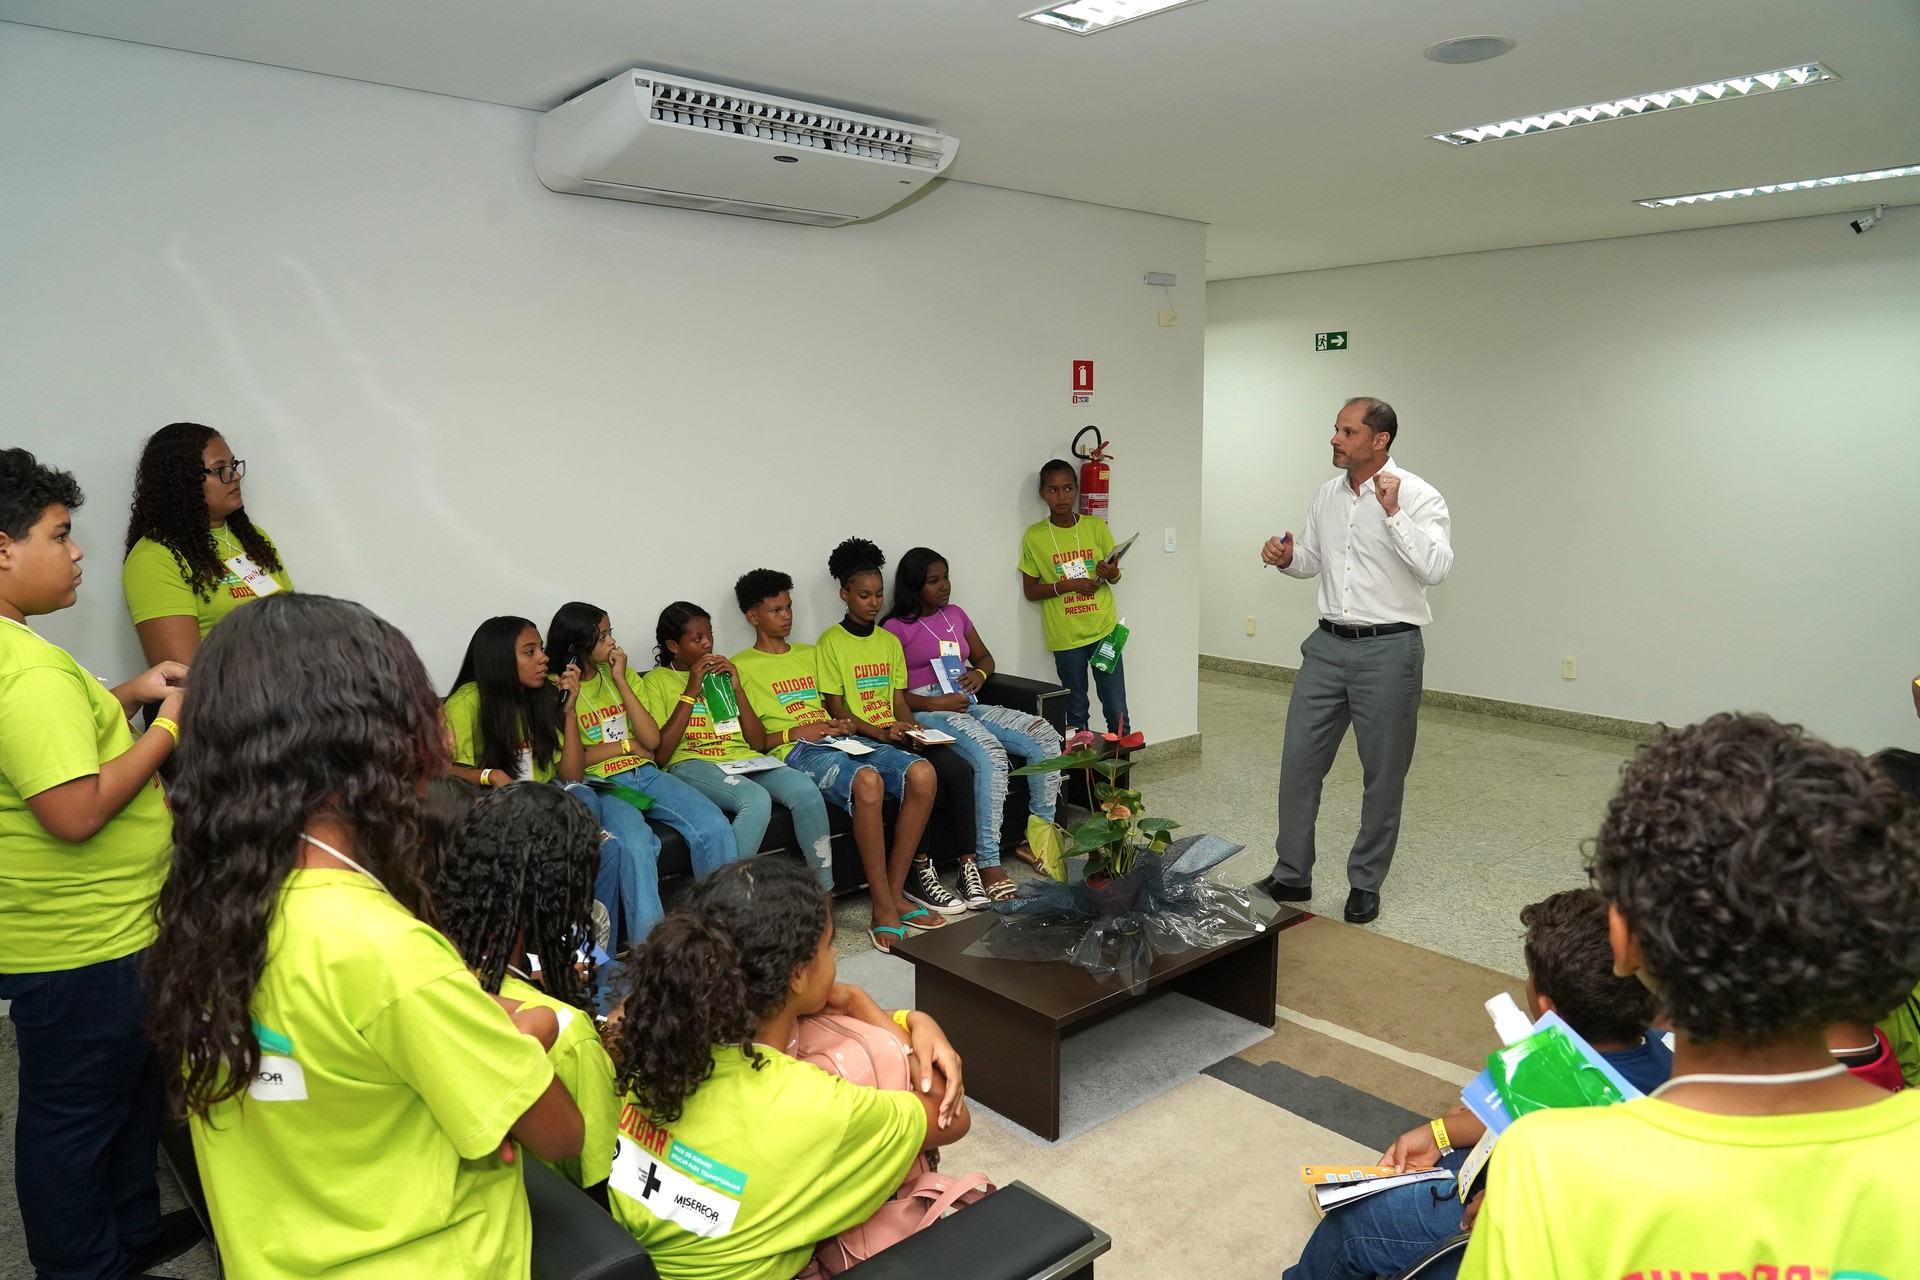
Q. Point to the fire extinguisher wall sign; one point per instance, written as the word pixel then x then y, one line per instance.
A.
pixel 1096 476
pixel 1083 382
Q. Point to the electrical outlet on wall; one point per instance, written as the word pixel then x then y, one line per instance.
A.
pixel 1569 669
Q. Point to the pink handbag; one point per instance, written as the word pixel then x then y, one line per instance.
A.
pixel 873 1056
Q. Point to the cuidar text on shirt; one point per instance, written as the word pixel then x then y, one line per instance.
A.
pixel 783 688
pixel 864 670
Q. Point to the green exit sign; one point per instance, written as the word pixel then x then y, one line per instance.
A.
pixel 1330 341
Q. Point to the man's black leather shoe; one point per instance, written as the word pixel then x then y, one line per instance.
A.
pixel 1363 906
pixel 1284 892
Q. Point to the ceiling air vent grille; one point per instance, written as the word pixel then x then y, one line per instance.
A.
pixel 691 107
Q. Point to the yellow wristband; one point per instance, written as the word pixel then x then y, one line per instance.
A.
pixel 687 699
pixel 161 722
pixel 900 1016
pixel 1440 1136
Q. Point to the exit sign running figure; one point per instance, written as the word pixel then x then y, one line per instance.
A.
pixel 1330 341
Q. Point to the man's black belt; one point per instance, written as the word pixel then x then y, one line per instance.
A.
pixel 1361 633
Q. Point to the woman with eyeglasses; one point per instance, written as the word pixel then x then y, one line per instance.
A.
pixel 193 555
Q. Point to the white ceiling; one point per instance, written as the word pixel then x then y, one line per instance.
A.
pixel 1297 131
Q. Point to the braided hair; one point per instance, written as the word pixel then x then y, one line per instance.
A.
pixel 709 973
pixel 672 625
pixel 520 880
pixel 169 506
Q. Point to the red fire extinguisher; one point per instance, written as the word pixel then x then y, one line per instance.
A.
pixel 1095 475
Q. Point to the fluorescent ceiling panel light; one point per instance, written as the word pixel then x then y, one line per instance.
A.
pixel 1085 17
pixel 1644 104
pixel 1774 188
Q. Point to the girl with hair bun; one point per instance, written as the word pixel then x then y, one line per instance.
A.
pixel 863 678
pixel 516 899
pixel 693 747
pixel 779 1155
pixel 193 555
pixel 356 1099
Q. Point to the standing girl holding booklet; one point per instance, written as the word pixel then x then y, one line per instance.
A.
pixel 515 896
pixel 357 1102
pixel 694 744
pixel 511 723
pixel 863 677
pixel 1066 565
pixel 939 640
pixel 619 737
pixel 782 682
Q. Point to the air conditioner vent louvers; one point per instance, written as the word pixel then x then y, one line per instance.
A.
pixel 675 104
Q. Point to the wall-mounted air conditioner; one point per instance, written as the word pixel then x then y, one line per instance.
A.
pixel 665 139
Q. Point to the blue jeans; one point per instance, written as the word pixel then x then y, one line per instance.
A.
pixel 709 839
pixel 833 770
pixel 629 876
pixel 748 800
pixel 1073 665
pixel 88 1130
pixel 1384 1234
pixel 985 736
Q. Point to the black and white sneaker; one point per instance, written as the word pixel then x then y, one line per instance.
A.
pixel 925 889
pixel 973 890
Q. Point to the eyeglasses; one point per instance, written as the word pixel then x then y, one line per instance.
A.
pixel 229 473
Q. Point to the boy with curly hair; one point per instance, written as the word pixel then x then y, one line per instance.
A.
pixel 1763 885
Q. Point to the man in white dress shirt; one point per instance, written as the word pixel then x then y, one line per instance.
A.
pixel 1377 538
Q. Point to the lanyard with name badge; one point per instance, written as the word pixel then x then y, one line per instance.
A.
pixel 241 566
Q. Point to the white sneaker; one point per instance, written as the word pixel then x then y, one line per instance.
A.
pixel 973 890
pixel 925 889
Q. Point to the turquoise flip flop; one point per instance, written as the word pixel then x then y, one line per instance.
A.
pixel 892 931
pixel 912 919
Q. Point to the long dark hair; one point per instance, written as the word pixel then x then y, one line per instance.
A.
pixel 574 634
pixel 510 713
pixel 709 973
pixel 672 625
pixel 520 879
pixel 909 578
pixel 170 507
pixel 300 706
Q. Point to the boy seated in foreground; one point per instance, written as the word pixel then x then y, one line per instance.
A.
pixel 1569 970
pixel 1764 885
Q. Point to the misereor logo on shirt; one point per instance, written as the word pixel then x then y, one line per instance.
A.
pixel 280 1078
pixel 652 1168
pixel 1760 1271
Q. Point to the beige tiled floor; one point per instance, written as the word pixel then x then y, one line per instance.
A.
pixel 1496 811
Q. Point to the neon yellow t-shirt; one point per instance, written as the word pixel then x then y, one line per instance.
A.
pixel 1647 1188
pixel 603 718
pixel 1047 552
pixel 369 1144
pixel 581 1062
pixel 762 1166
pixel 864 670
pixel 156 585
pixel 783 688
pixel 64 906
pixel 660 690
pixel 463 717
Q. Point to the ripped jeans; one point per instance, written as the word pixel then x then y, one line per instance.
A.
pixel 986 735
pixel 747 800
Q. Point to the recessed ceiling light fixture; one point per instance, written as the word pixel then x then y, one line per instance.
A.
pixel 1087 17
pixel 1775 188
pixel 1467 49
pixel 1643 104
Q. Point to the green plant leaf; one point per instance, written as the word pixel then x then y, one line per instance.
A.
pixel 1098 829
pixel 1057 764
pixel 1111 769
pixel 1157 824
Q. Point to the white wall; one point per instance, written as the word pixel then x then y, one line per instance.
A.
pixel 460 394
pixel 1687 460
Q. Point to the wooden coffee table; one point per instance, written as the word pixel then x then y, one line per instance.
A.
pixel 1006 1017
